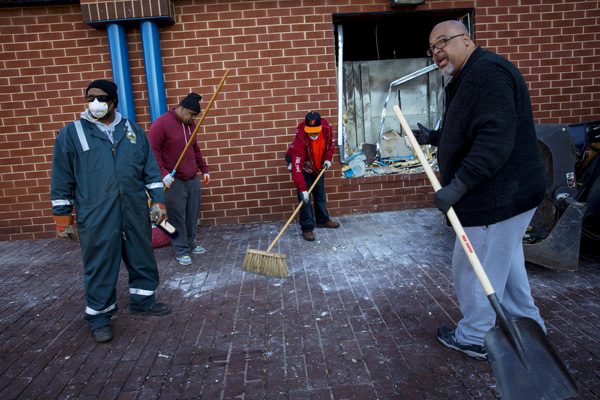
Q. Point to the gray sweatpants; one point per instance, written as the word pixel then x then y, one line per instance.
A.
pixel 183 201
pixel 500 250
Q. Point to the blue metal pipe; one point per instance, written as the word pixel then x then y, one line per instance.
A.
pixel 155 81
pixel 119 59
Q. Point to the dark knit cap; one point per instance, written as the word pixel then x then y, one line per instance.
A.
pixel 109 87
pixel 191 102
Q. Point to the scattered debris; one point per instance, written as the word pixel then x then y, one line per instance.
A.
pixel 388 166
pixel 392 159
pixel 356 165
pixel 370 152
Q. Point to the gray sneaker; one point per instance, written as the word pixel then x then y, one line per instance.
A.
pixel 199 250
pixel 447 337
pixel 184 260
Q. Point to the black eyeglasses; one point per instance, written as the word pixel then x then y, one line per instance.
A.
pixel 440 44
pixel 102 98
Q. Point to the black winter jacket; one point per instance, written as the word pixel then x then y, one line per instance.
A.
pixel 487 139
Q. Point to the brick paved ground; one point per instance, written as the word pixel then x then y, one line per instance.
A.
pixel 356 319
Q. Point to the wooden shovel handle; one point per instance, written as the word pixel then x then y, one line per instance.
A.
pixel 296 211
pixel 460 232
pixel 198 125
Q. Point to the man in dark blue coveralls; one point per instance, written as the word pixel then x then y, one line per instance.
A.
pixel 103 165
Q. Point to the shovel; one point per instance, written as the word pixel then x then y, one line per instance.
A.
pixel 524 363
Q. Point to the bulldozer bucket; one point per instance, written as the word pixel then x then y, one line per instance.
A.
pixel 555 236
pixel 560 249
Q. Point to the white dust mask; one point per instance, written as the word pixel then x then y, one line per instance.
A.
pixel 98 109
pixel 314 138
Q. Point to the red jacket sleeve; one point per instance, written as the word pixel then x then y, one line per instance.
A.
pixel 299 154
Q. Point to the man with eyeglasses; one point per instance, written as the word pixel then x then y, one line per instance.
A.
pixel 104 167
pixel 492 175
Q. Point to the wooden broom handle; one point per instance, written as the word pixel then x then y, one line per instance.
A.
pixel 199 123
pixel 458 229
pixel 296 211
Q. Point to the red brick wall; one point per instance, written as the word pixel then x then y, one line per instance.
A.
pixel 282 63
pixel 554 44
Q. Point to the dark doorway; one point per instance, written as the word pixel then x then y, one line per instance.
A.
pixel 391 35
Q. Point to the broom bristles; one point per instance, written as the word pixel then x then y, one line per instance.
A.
pixel 265 263
pixel 159 238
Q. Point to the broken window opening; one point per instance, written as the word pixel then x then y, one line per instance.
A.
pixel 384 63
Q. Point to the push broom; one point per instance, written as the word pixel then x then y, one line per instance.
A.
pixel 272 264
pixel 197 126
pixel 162 234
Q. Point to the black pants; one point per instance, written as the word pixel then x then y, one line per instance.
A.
pixel 307 217
pixel 183 201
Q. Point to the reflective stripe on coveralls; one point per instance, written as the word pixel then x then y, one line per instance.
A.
pixel 141 292
pixel 94 312
pixel 62 203
pixel 85 146
pixel 155 185
pixel 81 136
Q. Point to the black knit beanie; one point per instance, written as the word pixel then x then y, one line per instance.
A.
pixel 191 102
pixel 109 87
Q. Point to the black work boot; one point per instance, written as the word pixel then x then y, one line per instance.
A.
pixel 158 310
pixel 103 334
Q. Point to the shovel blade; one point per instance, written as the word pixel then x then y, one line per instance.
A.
pixel 533 372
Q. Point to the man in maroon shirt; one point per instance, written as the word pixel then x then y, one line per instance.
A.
pixel 169 135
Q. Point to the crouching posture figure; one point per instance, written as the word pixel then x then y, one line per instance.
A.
pixel 311 151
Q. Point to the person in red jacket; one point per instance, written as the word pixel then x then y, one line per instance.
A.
pixel 169 135
pixel 311 151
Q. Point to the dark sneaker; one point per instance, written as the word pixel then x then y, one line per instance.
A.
pixel 199 250
pixel 158 310
pixel 329 224
pixel 309 236
pixel 103 334
pixel 447 338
